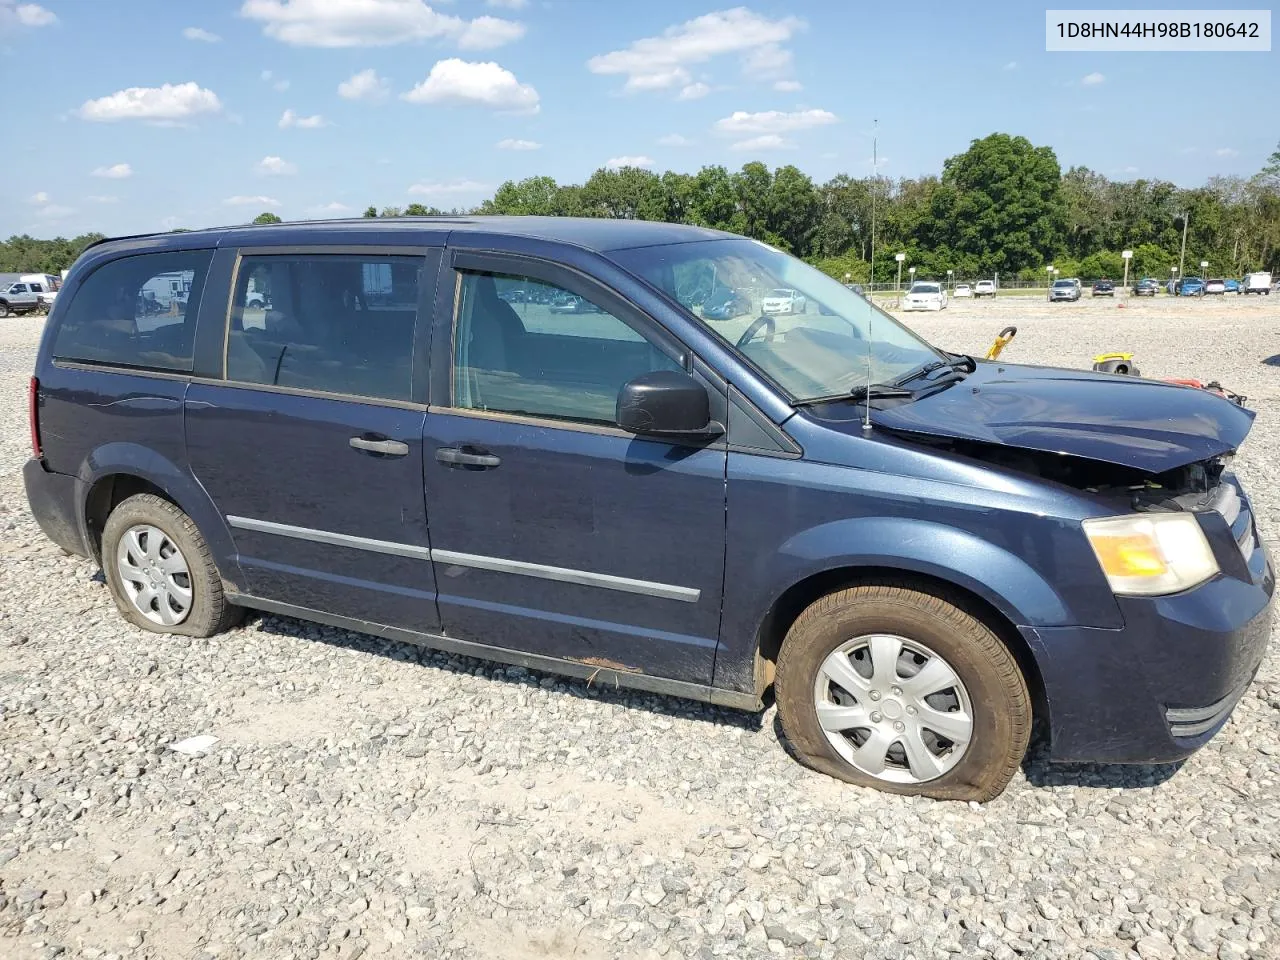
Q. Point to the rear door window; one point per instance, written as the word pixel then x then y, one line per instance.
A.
pixel 341 324
pixel 136 312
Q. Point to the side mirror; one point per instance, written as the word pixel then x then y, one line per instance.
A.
pixel 666 403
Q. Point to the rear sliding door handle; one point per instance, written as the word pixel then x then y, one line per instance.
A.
pixel 465 458
pixel 390 448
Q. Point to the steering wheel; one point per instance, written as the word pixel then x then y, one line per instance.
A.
pixel 764 320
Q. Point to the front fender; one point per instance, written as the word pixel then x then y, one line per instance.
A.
pixel 178 485
pixel 1005 581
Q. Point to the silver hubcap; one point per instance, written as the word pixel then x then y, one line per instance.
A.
pixel 893 708
pixel 154 574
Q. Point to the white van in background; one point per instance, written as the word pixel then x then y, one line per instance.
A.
pixel 1259 282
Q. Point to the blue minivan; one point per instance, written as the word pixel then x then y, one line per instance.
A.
pixel 389 426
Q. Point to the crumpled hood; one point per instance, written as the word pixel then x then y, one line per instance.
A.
pixel 1124 420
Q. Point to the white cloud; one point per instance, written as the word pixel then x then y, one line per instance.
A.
pixel 512 144
pixel 276 167
pixel 1011 65
pixel 662 62
pixel 365 85
pixel 372 23
pixel 117 171
pixel 170 102
pixel 453 188
pixel 258 201
pixel 693 91
pixel 99 198
pixel 769 59
pixel 615 163
pixel 768 141
pixel 40 197
pixel 509 4
pixel 474 84
pixel 34 15
pixel 788 86
pixel 1092 79
pixel 1226 152
pixel 674 140
pixel 323 208
pixel 199 33
pixel 774 121
pixel 291 119
pixel 485 33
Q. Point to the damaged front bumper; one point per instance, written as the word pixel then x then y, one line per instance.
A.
pixel 1160 687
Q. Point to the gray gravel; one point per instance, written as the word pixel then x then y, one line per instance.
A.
pixel 372 799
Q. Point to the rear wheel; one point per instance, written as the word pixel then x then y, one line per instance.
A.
pixel 889 687
pixel 160 571
pixel 4 309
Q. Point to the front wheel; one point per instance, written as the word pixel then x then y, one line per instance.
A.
pixel 889 687
pixel 4 310
pixel 160 571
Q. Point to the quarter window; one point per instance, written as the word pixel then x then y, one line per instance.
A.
pixel 330 323
pixel 528 347
pixel 136 312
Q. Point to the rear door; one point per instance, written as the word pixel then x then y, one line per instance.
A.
pixel 552 531
pixel 309 440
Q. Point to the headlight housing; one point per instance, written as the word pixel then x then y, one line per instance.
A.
pixel 1151 554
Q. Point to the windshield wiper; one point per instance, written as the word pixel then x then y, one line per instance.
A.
pixel 959 364
pixel 879 391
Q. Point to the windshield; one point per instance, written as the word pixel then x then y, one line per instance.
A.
pixel 820 350
pixel 780 293
pixel 925 288
pixel 1064 283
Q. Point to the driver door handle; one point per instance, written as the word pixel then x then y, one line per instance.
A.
pixel 456 457
pixel 390 448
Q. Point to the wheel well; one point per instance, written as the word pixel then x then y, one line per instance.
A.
pixel 798 597
pixel 104 496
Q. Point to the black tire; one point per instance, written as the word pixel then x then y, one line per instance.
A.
pixel 4 309
pixel 996 688
pixel 210 612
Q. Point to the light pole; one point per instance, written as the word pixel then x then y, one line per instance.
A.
pixel 1182 257
pixel 911 277
pixel 950 282
pixel 1173 272
pixel 1049 275
pixel 1128 255
pixel 897 284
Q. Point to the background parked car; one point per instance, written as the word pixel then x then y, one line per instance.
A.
pixel 962 290
pixel 1231 286
pixel 18 298
pixel 1215 286
pixel 1146 287
pixel 925 296
pixel 985 288
pixel 1189 287
pixel 725 303
pixel 783 300
pixel 1103 288
pixel 1068 288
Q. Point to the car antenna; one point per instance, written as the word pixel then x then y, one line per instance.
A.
pixel 871 283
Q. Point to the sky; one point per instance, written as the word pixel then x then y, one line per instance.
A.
pixel 129 116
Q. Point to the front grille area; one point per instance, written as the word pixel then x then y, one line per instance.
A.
pixel 1193 721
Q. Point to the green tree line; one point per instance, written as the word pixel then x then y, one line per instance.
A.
pixel 1003 206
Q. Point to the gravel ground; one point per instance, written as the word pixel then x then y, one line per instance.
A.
pixel 370 798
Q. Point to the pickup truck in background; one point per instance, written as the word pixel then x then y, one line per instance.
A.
pixel 18 298
pixel 1259 282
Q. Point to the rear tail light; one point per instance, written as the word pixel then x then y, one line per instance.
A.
pixel 33 410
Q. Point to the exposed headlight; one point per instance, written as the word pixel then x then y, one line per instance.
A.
pixel 1151 554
